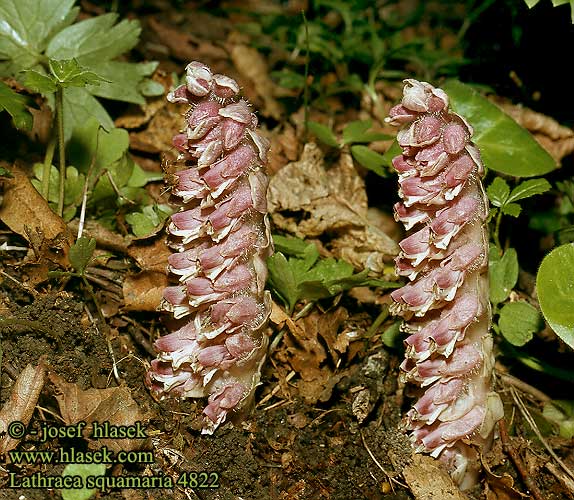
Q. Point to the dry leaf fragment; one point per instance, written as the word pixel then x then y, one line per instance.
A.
pixel 252 66
pixel 144 291
pixel 151 256
pixel 114 405
pixel 428 480
pixel 24 207
pixel 22 402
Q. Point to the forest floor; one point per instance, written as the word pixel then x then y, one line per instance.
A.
pixel 325 422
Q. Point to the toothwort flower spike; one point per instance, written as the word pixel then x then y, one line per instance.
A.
pixel 445 306
pixel 221 236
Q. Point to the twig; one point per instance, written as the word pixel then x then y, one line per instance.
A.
pixel 510 450
pixel 524 387
pixel 534 427
pixel 390 478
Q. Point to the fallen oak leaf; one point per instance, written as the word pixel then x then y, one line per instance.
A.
pixel 22 402
pixel 114 405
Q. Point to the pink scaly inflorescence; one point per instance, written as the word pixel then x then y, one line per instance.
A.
pixel 221 237
pixel 445 305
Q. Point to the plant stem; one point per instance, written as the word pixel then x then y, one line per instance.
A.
pixel 306 87
pixel 48 166
pixel 496 236
pixel 61 147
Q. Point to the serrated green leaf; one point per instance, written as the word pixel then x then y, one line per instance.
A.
pixel 369 159
pixel 531 3
pixel 291 246
pixel 323 133
pixel 512 209
pixel 518 322
pixel 561 412
pixel 26 27
pixel 83 471
pixel 529 188
pixel 123 80
pixel 503 273
pixel 81 253
pixel 94 40
pixel 15 105
pixel 36 81
pixel 498 192
pixel 79 108
pixel 504 145
pixel 68 73
pixel 555 286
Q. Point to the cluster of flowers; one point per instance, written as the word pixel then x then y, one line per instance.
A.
pixel 445 305
pixel 221 237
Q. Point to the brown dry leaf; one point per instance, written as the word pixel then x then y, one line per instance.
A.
pixel 105 238
pixel 157 137
pixel 428 480
pixel 143 291
pixel 22 402
pixel 307 356
pixel 328 200
pixel 328 326
pixel 555 138
pixel 185 46
pixel 151 256
pixel 114 405
pixel 23 207
pixel 253 67
pixel 501 487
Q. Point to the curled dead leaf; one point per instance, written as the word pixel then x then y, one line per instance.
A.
pixel 20 406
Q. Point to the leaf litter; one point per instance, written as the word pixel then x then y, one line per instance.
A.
pixel 327 380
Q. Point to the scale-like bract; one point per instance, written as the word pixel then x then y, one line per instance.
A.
pixel 222 239
pixel 445 305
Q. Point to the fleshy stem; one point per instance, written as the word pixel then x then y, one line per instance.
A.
pixel 61 147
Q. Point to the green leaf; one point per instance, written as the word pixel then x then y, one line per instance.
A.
pixel 94 40
pixel 26 27
pixel 39 82
pixel 15 105
pixel 498 192
pixel 393 151
pixel 357 132
pixel 282 280
pixel 69 73
pixel 518 322
pixel 369 159
pixel 503 273
pixel 555 286
pixel 292 246
pixel 123 80
pixel 504 145
pixel 392 335
pixel 111 146
pixel 561 412
pixel 513 209
pixel 79 108
pixel 288 79
pixel 531 3
pixel 84 471
pixel 149 220
pixel 140 177
pixel 81 253
pixel 323 133
pixel 529 188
